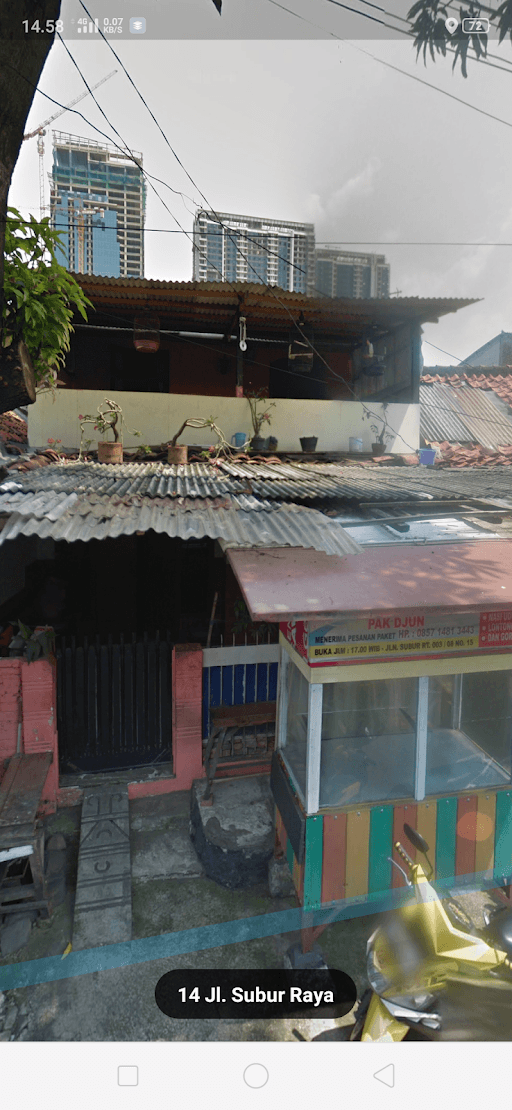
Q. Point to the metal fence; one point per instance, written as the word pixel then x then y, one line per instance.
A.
pixel 239 676
pixel 114 702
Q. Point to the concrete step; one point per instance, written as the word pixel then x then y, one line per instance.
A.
pixel 103 905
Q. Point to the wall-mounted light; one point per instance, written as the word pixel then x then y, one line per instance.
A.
pixel 146 334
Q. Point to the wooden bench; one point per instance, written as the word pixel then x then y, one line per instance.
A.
pixel 21 835
pixel 225 722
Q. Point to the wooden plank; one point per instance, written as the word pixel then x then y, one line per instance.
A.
pixel 297 875
pixel 289 855
pixel 24 789
pixel 445 837
pixel 8 780
pixel 281 836
pixel 257 713
pixel 358 838
pixel 313 862
pixel 486 823
pixel 402 814
pixel 381 846
pixel 334 857
pixel 426 825
pixel 465 843
pixel 503 841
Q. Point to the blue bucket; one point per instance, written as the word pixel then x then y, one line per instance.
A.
pixel 238 439
pixel 427 457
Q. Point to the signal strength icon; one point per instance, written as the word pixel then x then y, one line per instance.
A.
pixel 86 26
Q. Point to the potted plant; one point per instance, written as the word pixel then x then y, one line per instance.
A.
pixel 259 417
pixel 381 436
pixel 178 452
pixel 109 419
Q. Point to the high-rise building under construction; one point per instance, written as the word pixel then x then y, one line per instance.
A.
pixel 350 273
pixel 98 206
pixel 234 248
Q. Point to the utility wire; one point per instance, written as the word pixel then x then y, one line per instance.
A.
pixel 368 412
pixel 309 377
pixel 318 243
pixel 399 30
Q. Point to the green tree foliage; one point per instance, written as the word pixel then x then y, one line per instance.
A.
pixel 40 296
pixel 431 37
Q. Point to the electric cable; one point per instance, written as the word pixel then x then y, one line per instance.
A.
pixel 310 377
pixel 368 412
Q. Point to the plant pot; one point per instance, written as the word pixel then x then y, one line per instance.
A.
pixel 308 443
pixel 378 449
pixel 110 452
pixel 257 443
pixel 272 443
pixel 178 454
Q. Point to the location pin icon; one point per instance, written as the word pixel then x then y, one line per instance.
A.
pixel 451 24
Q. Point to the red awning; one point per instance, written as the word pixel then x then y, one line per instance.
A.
pixel 283 583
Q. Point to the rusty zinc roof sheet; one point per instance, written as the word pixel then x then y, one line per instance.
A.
pixel 461 414
pixel 241 521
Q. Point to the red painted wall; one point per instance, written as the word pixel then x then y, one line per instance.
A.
pixel 28 694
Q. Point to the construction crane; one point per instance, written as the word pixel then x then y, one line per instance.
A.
pixel 40 132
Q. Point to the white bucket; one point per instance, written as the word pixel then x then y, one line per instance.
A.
pixel 355 446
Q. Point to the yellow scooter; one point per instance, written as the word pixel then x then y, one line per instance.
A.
pixel 432 974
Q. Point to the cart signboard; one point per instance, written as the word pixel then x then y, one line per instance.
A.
pixel 416 635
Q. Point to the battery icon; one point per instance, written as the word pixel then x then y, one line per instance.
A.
pixel 475 26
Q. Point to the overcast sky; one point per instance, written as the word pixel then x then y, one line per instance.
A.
pixel 310 130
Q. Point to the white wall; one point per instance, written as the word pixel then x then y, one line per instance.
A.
pixel 159 415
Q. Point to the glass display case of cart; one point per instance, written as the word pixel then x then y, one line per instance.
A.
pixel 406 717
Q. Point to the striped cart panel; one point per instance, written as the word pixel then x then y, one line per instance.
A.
pixel 347 852
pixel 485 826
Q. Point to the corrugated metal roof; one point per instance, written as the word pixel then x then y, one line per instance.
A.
pixel 194 304
pixel 324 483
pixel 462 415
pixel 240 521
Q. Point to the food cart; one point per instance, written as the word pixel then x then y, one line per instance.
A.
pixel 390 714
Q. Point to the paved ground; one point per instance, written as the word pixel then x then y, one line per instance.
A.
pixel 169 893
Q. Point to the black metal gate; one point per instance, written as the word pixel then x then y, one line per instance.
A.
pixel 114 702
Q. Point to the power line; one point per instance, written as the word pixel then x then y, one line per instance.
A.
pixel 368 412
pixel 318 243
pixel 321 381
pixel 441 349
pixel 333 35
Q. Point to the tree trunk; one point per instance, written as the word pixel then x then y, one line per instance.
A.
pixel 17 382
pixel 22 57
